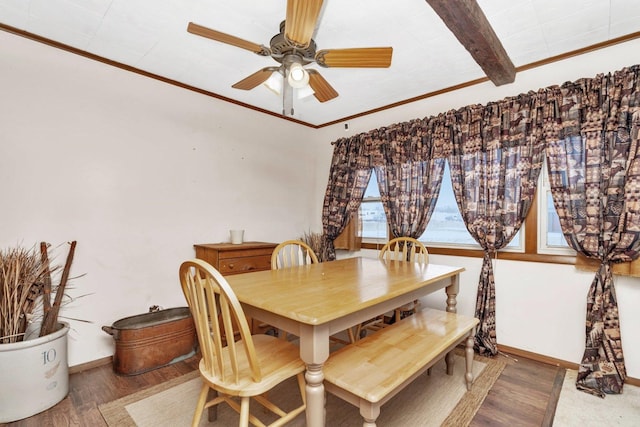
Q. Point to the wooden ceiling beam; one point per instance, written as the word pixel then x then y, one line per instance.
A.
pixel 468 23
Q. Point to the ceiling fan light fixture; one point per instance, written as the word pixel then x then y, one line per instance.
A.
pixel 298 77
pixel 274 83
pixel 304 92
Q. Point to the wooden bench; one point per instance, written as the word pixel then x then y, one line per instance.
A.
pixel 372 370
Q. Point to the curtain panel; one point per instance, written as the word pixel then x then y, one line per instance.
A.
pixel 594 173
pixel 496 156
pixel 410 144
pixel 409 192
pixel 348 178
pixel 409 173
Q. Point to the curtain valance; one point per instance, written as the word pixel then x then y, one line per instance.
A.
pixel 507 123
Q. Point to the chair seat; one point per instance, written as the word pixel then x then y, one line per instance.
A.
pixel 279 360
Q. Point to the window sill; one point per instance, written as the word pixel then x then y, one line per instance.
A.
pixel 512 256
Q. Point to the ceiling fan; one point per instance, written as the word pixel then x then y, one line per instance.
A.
pixel 293 47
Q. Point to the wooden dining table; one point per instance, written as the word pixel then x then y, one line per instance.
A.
pixel 318 300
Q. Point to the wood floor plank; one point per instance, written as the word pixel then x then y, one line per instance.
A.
pixel 553 398
pixel 519 397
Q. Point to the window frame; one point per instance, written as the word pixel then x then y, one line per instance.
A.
pixel 532 250
pixel 543 224
pixel 371 242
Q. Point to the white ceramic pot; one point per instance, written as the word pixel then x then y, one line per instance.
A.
pixel 34 375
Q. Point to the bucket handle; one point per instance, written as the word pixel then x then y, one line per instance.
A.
pixel 111 331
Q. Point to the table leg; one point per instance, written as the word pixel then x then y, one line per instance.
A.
pixel 315 396
pixel 314 351
pixel 468 354
pixel 452 292
pixel 450 361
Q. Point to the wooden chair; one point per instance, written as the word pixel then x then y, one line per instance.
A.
pixel 292 253
pixel 405 249
pixel 398 249
pixel 235 370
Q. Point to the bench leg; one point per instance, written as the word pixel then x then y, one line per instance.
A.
pixel 370 413
pixel 449 360
pixel 468 355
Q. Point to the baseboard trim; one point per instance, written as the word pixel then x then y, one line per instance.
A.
pixel 90 365
pixel 552 361
pixel 538 357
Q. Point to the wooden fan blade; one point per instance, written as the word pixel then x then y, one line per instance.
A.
pixel 255 79
pixel 227 39
pixel 321 88
pixel 300 21
pixel 364 57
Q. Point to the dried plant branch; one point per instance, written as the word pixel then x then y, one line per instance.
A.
pixel 318 243
pixel 46 290
pixel 21 282
pixel 50 319
pixel 26 291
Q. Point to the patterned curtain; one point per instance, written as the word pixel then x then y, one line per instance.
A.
pixel 409 172
pixel 495 160
pixel 348 178
pixel 409 192
pixel 410 152
pixel 495 152
pixel 594 173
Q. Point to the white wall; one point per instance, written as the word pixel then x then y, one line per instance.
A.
pixel 540 308
pixel 137 171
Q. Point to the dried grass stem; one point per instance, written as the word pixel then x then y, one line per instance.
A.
pixel 21 274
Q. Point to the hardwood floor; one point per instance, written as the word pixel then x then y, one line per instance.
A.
pixel 525 395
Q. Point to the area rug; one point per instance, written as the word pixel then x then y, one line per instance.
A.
pixel 577 408
pixel 431 400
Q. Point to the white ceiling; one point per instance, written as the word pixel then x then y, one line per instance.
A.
pixel 150 35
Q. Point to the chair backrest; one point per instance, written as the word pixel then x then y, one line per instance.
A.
pixel 291 253
pixel 216 310
pixel 404 249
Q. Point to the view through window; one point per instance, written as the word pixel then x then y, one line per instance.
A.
pixel 446 227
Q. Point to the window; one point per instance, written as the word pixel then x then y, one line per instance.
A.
pixel 539 239
pixel 551 239
pixel 374 220
pixel 446 227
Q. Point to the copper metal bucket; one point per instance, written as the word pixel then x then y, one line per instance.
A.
pixel 152 340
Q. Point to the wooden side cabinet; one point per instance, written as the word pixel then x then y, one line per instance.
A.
pixel 230 259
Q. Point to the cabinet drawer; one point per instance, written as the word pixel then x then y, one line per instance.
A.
pixel 245 265
pixel 245 253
